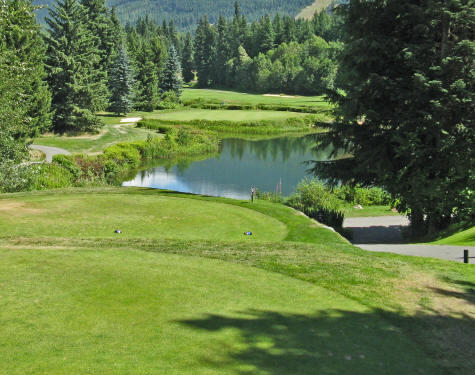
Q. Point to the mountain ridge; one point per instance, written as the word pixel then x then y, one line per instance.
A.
pixel 186 13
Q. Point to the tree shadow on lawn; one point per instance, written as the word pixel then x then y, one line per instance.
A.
pixel 343 342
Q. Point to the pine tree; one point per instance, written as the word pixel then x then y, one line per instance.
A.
pixel 121 84
pixel 278 30
pixel 22 36
pixel 117 33
pixel 266 34
pixel 24 99
pixel 223 52
pixel 407 113
pixel 78 88
pixel 98 22
pixel 204 52
pixel 187 59
pixel 171 79
pixel 146 77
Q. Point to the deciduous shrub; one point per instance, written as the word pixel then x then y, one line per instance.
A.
pixel 318 202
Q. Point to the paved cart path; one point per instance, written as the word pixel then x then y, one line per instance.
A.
pixel 383 234
pixel 50 151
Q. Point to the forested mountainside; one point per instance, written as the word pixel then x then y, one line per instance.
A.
pixel 186 13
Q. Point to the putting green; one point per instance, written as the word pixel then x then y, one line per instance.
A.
pixel 132 312
pixel 137 216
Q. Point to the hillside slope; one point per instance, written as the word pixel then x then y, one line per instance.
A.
pixel 186 13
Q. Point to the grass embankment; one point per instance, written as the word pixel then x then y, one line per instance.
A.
pixel 224 99
pixel 462 238
pixel 174 293
pixel 234 122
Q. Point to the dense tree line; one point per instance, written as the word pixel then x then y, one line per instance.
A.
pixel 186 13
pixel 406 107
pixel 273 54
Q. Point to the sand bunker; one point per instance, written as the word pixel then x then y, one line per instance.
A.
pixel 279 96
pixel 131 120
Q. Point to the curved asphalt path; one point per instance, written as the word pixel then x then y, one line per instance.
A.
pixel 383 234
pixel 50 151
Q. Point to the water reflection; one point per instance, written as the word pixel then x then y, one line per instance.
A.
pixel 240 165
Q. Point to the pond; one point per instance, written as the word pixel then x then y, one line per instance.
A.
pixel 240 165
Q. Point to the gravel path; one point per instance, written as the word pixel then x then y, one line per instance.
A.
pixel 383 234
pixel 50 151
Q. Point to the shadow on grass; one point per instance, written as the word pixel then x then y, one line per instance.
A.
pixel 391 234
pixel 342 342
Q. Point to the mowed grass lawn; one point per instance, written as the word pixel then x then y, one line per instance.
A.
pixel 464 238
pixel 112 132
pixel 138 216
pixel 183 291
pixel 222 115
pixel 233 97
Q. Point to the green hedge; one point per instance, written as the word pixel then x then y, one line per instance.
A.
pixel 318 202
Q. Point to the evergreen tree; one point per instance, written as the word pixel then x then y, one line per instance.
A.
pixel 146 77
pixel 289 32
pixel 121 84
pixel 278 27
pixel 101 27
pixel 204 52
pixel 117 33
pixel 171 78
pixel 223 52
pixel 187 59
pixel 407 112
pixel 22 35
pixel 18 120
pixel 78 88
pixel 266 34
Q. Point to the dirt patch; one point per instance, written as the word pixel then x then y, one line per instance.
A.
pixel 424 293
pixel 15 207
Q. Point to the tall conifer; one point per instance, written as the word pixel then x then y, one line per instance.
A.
pixel 146 77
pixel 187 59
pixel 78 88
pixel 24 98
pixel 23 37
pixel 121 84
pixel 171 79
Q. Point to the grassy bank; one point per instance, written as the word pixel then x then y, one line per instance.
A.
pixel 302 124
pixel 119 160
pixel 462 238
pixel 292 298
pixel 224 99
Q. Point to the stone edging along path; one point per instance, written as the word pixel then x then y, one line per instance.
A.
pixel 383 234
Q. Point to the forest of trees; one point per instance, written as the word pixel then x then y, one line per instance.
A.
pixel 186 13
pixel 277 54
